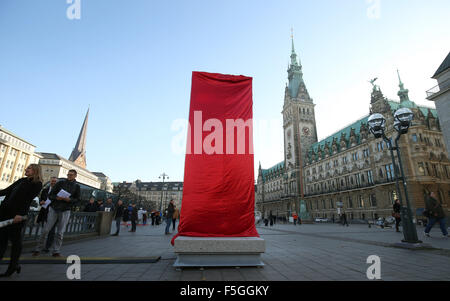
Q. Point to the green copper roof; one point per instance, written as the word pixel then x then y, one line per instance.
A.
pixel 356 126
pixel 275 170
pixel 411 105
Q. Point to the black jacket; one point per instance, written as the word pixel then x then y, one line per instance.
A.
pixel 42 216
pixel 91 207
pixel 119 211
pixel 170 211
pixel 396 208
pixel 434 207
pixel 71 187
pixel 18 198
pixel 134 214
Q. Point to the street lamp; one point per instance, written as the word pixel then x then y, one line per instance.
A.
pixel 163 176
pixel 402 122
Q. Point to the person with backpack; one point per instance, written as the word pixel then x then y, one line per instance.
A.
pixel 435 214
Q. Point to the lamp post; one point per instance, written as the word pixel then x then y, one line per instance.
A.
pixel 163 176
pixel 402 122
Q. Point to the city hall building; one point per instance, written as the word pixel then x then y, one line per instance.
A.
pixel 350 170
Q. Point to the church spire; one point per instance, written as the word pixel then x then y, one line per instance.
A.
pixel 78 155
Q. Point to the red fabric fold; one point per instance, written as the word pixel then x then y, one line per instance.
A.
pixel 218 190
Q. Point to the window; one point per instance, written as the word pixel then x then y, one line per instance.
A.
pixel 435 171
pixel 350 202
pixel 427 168
pixel 370 177
pixel 331 204
pixel 358 179
pixel 360 201
pixel 389 172
pixel 446 169
pixel 373 200
pixel 414 137
pixel 324 205
pixel 420 137
pixel 344 160
pixel 366 153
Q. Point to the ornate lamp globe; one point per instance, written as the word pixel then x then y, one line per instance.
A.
pixel 402 120
pixel 377 124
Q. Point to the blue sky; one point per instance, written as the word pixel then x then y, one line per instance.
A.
pixel 131 62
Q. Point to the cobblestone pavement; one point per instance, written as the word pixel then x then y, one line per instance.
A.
pixel 297 253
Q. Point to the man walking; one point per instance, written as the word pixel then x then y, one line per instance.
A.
pixel 176 215
pixel 133 217
pixel 43 213
pixel 65 194
pixel 169 215
pixel 344 219
pixel 436 214
pixel 118 215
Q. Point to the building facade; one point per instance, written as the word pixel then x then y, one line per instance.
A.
pixel 441 96
pixel 54 165
pixel 15 156
pixel 154 195
pixel 350 170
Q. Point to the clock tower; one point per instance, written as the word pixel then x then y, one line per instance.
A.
pixel 299 124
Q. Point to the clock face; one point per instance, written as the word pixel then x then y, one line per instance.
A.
pixel 306 131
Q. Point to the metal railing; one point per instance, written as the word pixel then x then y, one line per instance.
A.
pixel 79 223
pixel 445 85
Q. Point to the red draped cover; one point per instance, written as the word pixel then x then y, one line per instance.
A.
pixel 218 190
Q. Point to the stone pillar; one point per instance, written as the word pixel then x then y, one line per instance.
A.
pixel 104 222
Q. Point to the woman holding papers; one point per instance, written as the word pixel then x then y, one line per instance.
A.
pixel 18 198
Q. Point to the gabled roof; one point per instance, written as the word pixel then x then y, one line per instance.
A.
pixel 443 67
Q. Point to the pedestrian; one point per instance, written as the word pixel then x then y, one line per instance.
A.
pixel 295 216
pixel 16 204
pixel 435 214
pixel 140 216
pixel 91 206
pixel 109 206
pixel 396 214
pixel 64 195
pixel 118 216
pixel 100 205
pixel 344 219
pixel 144 217
pixel 175 216
pixel 126 216
pixel 43 213
pixel 169 213
pixel 133 217
pixel 152 216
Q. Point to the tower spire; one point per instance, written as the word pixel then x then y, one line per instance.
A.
pixel 402 93
pixel 78 155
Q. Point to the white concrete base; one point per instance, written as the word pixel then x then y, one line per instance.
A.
pixel 218 251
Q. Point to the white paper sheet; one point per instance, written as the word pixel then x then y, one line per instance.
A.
pixel 47 202
pixel 63 194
